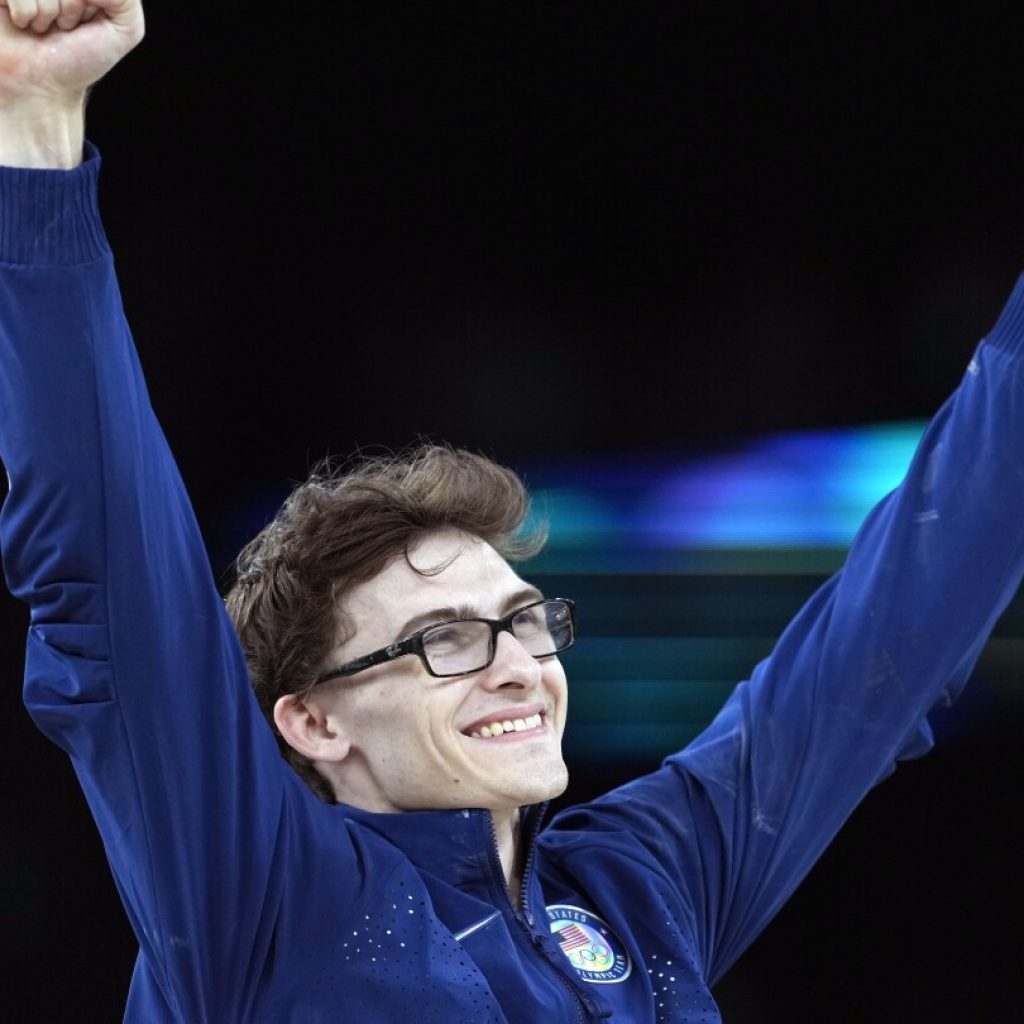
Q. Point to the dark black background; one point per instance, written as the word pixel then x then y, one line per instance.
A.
pixel 563 228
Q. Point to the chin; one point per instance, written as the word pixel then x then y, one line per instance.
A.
pixel 557 784
pixel 538 789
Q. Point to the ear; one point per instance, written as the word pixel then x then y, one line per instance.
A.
pixel 311 729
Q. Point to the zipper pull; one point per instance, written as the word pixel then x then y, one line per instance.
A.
pixel 593 1004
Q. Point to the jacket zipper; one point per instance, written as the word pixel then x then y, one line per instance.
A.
pixel 524 917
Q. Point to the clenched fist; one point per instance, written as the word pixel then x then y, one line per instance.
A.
pixel 51 52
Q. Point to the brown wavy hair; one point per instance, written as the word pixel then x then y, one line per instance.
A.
pixel 341 527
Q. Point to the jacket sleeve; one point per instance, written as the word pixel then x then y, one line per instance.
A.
pixel 132 665
pixel 737 819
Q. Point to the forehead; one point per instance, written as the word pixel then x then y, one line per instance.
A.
pixel 445 569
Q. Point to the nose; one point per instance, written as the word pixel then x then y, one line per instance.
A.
pixel 512 665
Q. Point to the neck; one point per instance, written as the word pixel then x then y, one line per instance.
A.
pixel 510 852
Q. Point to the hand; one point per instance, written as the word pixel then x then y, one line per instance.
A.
pixel 51 52
pixel 58 48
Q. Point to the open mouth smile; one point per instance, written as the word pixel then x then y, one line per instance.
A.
pixel 511 728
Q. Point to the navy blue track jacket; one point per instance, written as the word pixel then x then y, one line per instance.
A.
pixel 254 901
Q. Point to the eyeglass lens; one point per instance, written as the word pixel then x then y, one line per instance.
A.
pixel 466 646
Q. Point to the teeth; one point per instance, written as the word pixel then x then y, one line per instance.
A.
pixel 508 725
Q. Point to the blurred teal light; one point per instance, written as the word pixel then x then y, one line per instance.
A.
pixel 792 490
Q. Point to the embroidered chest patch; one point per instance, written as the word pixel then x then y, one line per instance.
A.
pixel 593 949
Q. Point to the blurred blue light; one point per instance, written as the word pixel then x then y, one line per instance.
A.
pixel 792 490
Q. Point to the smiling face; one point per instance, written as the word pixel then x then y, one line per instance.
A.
pixel 401 739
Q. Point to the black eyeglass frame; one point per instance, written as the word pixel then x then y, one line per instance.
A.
pixel 414 644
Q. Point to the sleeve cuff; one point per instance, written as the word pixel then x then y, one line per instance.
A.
pixel 50 217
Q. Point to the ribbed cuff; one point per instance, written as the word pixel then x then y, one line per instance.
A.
pixel 1008 333
pixel 51 217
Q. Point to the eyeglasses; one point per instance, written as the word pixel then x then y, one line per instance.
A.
pixel 468 645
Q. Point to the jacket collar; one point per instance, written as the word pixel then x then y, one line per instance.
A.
pixel 459 848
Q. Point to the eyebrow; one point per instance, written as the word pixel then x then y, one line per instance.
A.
pixel 465 611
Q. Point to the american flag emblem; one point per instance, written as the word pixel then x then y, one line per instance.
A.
pixel 594 950
pixel 573 937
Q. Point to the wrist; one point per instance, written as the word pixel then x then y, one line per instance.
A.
pixel 42 134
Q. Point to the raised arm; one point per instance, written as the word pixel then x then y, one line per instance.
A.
pixel 132 665
pixel 736 820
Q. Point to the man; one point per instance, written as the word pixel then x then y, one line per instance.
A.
pixel 412 675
